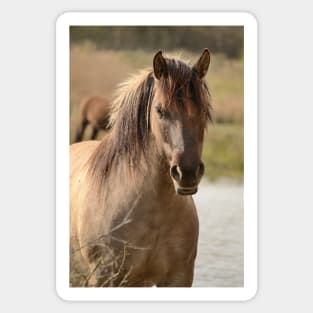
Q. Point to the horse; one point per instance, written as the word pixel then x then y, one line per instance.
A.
pixel 94 111
pixel 133 222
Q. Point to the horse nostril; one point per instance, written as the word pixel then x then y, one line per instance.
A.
pixel 175 173
pixel 201 169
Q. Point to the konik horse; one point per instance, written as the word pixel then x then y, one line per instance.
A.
pixel 94 111
pixel 133 221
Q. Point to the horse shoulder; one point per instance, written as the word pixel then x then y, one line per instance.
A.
pixel 79 157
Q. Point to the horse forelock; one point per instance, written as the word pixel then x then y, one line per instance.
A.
pixel 183 82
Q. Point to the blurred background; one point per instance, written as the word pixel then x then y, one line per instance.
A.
pixel 102 57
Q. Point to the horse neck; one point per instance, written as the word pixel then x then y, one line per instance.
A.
pixel 150 176
pixel 156 173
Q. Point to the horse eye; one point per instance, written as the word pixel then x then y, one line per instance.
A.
pixel 162 113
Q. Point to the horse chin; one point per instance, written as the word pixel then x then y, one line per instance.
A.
pixel 186 191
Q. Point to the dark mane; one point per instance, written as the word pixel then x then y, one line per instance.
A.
pixel 130 115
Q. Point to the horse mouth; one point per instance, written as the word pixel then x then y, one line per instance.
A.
pixel 186 191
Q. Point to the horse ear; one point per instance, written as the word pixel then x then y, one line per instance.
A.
pixel 159 66
pixel 202 66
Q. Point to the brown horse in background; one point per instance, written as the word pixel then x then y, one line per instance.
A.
pixel 133 221
pixel 94 111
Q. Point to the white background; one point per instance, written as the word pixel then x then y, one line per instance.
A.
pixel 250 155
pixel 27 156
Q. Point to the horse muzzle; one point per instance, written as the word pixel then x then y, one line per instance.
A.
pixel 186 180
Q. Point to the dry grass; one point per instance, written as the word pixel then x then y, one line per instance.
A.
pixel 223 151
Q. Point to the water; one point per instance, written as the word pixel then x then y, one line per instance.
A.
pixel 219 260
